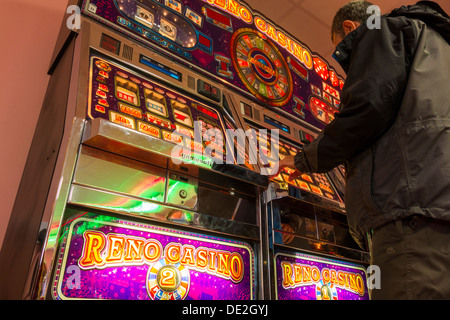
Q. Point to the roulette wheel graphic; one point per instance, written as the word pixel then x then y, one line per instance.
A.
pixel 261 67
pixel 167 281
pixel 326 291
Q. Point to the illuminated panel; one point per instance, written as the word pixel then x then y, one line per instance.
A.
pixel 208 90
pixel 231 44
pixel 322 110
pixel 129 99
pixel 126 91
pixel 277 124
pixel 119 259
pixel 168 29
pixel 182 113
pixel 194 17
pixel 160 67
pixel 321 68
pixel 241 149
pixel 206 111
pixel 122 119
pixel 213 135
pixel 334 79
pixel 329 89
pixel 110 44
pixel 261 67
pixel 144 16
pixel 306 277
pixel 317 184
pixel 298 68
pixel 218 19
pixel 134 112
pixel 155 19
pixel 149 129
pixel 155 102
pixel 204 41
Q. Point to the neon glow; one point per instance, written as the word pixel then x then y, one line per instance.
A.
pixel 119 259
pixel 306 277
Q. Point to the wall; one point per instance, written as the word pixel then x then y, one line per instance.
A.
pixel 28 32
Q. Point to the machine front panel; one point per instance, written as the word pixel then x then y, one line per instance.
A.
pixel 316 188
pixel 129 99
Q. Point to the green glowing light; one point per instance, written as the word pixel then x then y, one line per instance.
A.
pixel 197 159
pixel 92 225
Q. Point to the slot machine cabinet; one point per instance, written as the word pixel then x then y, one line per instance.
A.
pixel 124 169
pixel 313 205
pixel 297 93
pixel 120 183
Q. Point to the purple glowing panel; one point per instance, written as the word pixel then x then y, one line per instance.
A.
pixel 305 277
pixel 229 42
pixel 108 258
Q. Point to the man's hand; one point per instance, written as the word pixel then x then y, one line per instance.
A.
pixel 287 162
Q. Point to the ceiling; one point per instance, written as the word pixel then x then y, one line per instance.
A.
pixel 310 20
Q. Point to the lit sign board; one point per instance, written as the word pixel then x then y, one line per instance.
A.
pixel 109 258
pixel 306 277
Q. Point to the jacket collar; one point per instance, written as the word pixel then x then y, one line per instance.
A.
pixel 343 50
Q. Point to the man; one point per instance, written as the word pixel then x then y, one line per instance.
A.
pixel 392 133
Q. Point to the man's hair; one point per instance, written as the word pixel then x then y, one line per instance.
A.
pixel 354 11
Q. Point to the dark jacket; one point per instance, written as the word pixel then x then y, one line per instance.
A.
pixel 392 131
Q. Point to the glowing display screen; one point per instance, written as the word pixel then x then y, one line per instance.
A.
pixel 231 44
pixel 128 99
pixel 318 184
pixel 305 277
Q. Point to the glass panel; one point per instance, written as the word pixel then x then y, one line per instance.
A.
pixel 120 175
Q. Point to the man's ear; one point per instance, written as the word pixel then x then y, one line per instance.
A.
pixel 349 26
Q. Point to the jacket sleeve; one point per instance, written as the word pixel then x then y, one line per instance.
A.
pixel 371 96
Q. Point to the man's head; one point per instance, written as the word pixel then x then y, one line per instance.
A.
pixel 348 18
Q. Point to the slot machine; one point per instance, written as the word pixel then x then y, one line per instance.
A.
pixel 297 93
pixel 146 178
pixel 145 199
